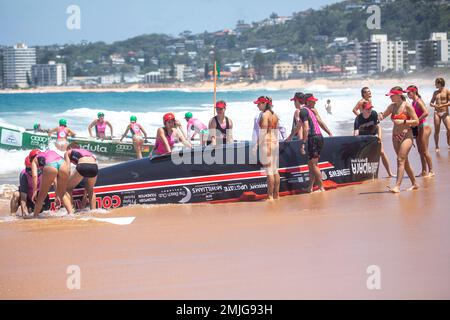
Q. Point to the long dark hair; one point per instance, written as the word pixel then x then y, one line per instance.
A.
pixel 416 90
pixel 268 105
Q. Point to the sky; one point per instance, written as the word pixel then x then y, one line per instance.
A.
pixel 44 22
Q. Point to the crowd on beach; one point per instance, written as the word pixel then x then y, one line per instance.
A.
pixel 44 169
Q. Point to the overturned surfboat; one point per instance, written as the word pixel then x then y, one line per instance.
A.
pixel 222 174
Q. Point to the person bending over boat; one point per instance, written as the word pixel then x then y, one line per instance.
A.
pixel 367 124
pixel 86 167
pixel 196 127
pixel 53 167
pixel 220 127
pixel 404 117
pixel 138 135
pixel 299 102
pixel 441 102
pixel 366 95
pixel 100 126
pixel 167 136
pixel 422 132
pixel 62 133
pixel 261 104
pixel 23 196
pixel 269 146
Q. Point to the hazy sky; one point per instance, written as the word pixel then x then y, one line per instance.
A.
pixel 40 22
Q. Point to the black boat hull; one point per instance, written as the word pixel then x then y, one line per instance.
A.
pixel 344 161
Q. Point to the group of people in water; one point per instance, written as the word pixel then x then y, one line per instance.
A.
pixel 46 168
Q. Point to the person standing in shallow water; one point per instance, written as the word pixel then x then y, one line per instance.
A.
pixel 328 107
pixel 404 117
pixel 441 102
pixel 366 96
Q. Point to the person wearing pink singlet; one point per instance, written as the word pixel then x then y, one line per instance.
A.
pixel 62 133
pixel 100 125
pixel 138 135
pixel 167 136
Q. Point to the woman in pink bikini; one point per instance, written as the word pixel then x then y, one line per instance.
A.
pixel 167 136
pixel 53 167
pixel 62 133
pixel 86 167
pixel 100 126
pixel 404 117
pixel 139 136
pixel 422 132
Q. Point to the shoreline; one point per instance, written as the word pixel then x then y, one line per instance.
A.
pixel 207 86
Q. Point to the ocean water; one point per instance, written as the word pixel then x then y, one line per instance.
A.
pixel 80 109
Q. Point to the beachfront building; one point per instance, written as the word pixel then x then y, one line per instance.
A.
pixel 287 70
pixel 51 74
pixel 380 55
pixel 17 64
pixel 152 77
pixel 433 52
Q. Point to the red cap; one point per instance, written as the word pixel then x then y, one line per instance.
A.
pixel 410 89
pixel 262 100
pixel 394 92
pixel 221 104
pixel 312 98
pixel 33 153
pixel 168 116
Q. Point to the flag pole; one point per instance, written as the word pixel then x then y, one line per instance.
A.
pixel 215 86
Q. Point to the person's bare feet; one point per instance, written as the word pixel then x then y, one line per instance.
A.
pixel 320 190
pixel 395 189
pixel 415 186
pixel 422 174
pixel 430 174
pixel 307 190
pixel 437 150
pixel 391 175
pixel 270 199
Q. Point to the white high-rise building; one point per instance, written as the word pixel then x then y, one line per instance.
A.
pixel 17 64
pixel 380 55
pixel 51 74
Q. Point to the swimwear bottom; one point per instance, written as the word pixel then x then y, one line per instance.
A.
pixel 87 170
pixel 55 164
pixel 204 131
pixel 415 131
pixel 315 145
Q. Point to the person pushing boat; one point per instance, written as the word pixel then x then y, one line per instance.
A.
pixel 53 168
pixel 167 136
pixel 138 135
pixel 100 125
pixel 196 127
pixel 62 133
pixel 86 167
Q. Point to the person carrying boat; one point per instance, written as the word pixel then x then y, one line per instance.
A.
pixel 194 127
pixel 86 167
pixel 53 167
pixel 23 196
pixel 404 117
pixel 100 126
pixel 62 133
pixel 138 135
pixel 367 123
pixel 220 127
pixel 167 136
pixel 267 140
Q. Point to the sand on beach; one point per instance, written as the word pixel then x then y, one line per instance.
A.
pixel 299 247
pixel 207 86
